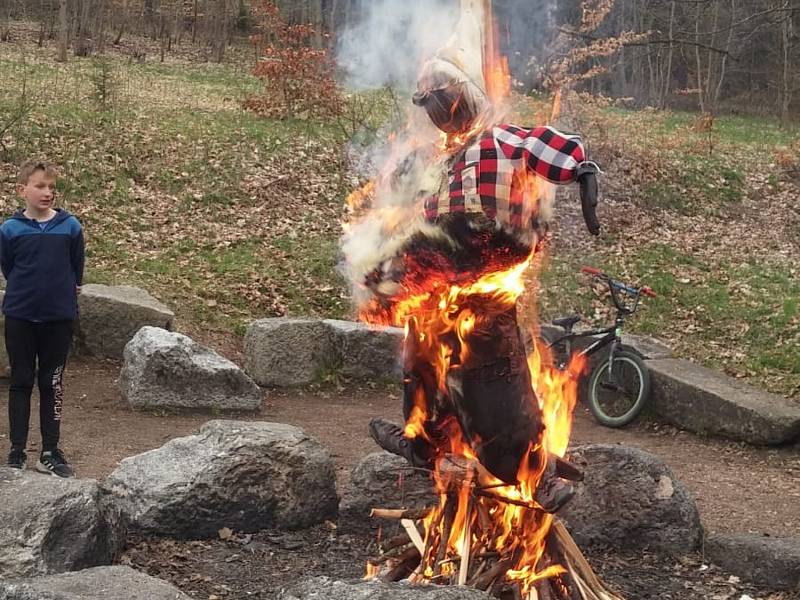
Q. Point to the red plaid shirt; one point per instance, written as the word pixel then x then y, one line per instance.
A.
pixel 488 175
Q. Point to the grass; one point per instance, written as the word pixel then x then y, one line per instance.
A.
pixel 742 318
pixel 228 217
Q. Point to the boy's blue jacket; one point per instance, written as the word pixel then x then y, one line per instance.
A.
pixel 42 268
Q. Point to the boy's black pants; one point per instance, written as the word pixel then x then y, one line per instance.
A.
pixel 25 342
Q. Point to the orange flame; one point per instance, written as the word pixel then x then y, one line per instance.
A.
pixel 519 530
pixel 503 518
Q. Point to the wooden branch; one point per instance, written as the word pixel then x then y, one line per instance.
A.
pixel 507 500
pixel 406 563
pixel 413 533
pixel 498 569
pixel 415 514
pixel 448 515
pixel 466 542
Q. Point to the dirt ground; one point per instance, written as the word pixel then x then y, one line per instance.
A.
pixel 738 488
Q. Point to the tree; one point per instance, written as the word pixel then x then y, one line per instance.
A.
pixel 298 78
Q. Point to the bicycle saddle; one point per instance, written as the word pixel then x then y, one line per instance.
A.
pixel 567 322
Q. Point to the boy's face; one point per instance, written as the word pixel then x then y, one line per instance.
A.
pixel 39 192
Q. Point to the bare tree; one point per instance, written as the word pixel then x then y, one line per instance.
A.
pixel 63 30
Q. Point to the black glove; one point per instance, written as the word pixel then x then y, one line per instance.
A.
pixel 587 180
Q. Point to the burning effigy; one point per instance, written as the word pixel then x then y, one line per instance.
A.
pixel 439 243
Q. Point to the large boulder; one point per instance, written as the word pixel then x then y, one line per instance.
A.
pixel 630 500
pixel 324 588
pixel 382 480
pixel 241 475
pixel 108 583
pixel 49 525
pixel 109 316
pixel 766 561
pixel 364 351
pixel 287 352
pixel 166 369
pixel 705 401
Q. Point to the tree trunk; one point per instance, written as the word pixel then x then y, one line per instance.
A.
pixel 724 60
pixel 700 94
pixel 786 79
pixel 662 101
pixel 316 21
pixel 63 31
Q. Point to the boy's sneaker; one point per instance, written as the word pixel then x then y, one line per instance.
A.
pixel 17 458
pixel 53 462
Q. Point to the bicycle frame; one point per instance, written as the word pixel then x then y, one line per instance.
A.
pixel 610 335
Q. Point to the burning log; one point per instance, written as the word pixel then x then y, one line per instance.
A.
pixel 561 571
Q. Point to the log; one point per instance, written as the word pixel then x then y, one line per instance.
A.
pixel 448 515
pixel 497 498
pixel 399 540
pixel 498 569
pixel 413 533
pixel 415 514
pixel 466 542
pixel 406 563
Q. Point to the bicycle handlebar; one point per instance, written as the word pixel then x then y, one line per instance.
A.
pixel 613 284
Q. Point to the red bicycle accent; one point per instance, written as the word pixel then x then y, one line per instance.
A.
pixel 591 270
pixel 648 292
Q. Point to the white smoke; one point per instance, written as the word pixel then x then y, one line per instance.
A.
pixel 389 43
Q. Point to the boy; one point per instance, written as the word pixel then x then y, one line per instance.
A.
pixel 42 256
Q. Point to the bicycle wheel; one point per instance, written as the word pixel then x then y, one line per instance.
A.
pixel 617 401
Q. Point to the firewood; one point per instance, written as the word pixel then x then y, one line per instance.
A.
pixel 413 533
pixel 498 569
pixel 405 565
pixel 466 542
pixel 399 540
pixel 397 514
pixel 484 520
pixel 449 514
pixel 544 590
pixel 497 498
pixel 588 584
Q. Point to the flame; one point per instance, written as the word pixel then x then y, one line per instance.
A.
pixel 482 521
pixel 436 307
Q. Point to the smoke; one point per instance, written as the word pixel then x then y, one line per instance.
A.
pixel 388 46
pixel 389 43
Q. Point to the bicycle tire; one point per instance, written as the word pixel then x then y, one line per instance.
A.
pixel 643 376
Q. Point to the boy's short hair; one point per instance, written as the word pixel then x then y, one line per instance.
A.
pixel 29 167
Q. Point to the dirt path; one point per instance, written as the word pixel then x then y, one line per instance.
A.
pixel 738 488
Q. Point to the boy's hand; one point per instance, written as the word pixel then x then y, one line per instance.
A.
pixel 78 290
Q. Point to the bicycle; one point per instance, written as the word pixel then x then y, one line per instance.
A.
pixel 619 387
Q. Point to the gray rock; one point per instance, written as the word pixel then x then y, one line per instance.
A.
pixel 166 369
pixel 647 347
pixel 243 475
pixel 287 352
pixel 771 562
pixel 386 481
pixel 705 401
pixel 49 525
pixel 323 588
pixel 106 583
pixel 630 501
pixel 109 316
pixel 364 351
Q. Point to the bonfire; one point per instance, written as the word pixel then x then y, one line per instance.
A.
pixel 491 528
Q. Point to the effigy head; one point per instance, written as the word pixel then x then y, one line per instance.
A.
pixel 452 99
